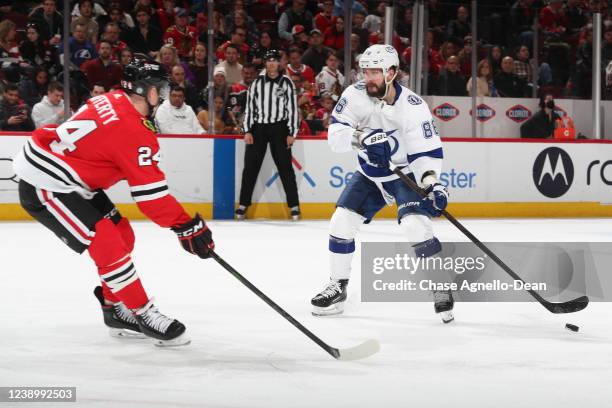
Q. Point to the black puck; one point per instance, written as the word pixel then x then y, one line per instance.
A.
pixel 571 327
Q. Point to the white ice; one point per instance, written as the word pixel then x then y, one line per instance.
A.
pixel 243 354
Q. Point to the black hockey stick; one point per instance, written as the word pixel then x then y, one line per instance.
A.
pixel 363 350
pixel 571 306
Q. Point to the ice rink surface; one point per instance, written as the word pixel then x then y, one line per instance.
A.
pixel 243 354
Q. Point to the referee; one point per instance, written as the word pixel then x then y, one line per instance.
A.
pixel 271 116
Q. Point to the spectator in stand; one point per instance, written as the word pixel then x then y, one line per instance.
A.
pixel 241 20
pixel 363 33
pixel 317 53
pixel 123 20
pixel 220 85
pixel 521 17
pixel 236 102
pixel 323 19
pixel 149 7
pixel 14 113
pixel 576 12
pixel 297 14
pixel 542 124
pixel 451 82
pixel 237 40
pixel 403 26
pixel 465 57
pixel 357 8
pixel 508 84
pixel 174 116
pixel 103 70
pixel 51 109
pixel 356 74
pixel 181 35
pixel 582 72
pixel 447 50
pixel 81 50
pixel 221 118
pixel 296 66
pixel 552 19
pixel 177 77
pixel 126 56
pixel 32 90
pixel 37 52
pixel 300 37
pixel 436 62
pixel 459 28
pixel 495 58
pixel 374 21
pixel 50 22
pixel 264 45
pixel 145 38
pixel 199 67
pixel 606 51
pixel 96 90
pixel 238 9
pixel 484 80
pixel 233 69
pixel 334 35
pixel 330 79
pixel 522 65
pixel 111 34
pixel 10 59
pixel 324 112
pixel 86 17
pixel 168 57
pixel 219 36
pixel 165 15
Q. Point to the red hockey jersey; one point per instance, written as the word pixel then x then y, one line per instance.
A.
pixel 105 142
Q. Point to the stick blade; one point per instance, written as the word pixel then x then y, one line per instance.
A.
pixel 572 306
pixel 363 350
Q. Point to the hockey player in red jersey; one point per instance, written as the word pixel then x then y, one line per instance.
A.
pixel 63 172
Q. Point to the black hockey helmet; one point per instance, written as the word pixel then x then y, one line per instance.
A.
pixel 141 73
pixel 272 54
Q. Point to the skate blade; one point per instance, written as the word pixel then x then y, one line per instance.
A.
pixel 447 317
pixel 125 334
pixel 335 309
pixel 295 217
pixel 181 340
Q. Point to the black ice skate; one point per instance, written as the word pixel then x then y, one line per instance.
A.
pixel 331 300
pixel 295 213
pixel 443 304
pixel 240 212
pixel 119 319
pixel 163 330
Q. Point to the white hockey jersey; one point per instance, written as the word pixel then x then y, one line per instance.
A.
pixel 415 143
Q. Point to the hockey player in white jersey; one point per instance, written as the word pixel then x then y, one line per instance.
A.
pixel 383 122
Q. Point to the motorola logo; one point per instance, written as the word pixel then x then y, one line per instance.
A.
pixel 553 172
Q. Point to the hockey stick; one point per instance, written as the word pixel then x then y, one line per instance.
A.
pixel 571 306
pixel 363 350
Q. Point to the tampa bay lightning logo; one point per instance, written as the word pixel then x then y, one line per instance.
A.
pixel 389 49
pixel 414 100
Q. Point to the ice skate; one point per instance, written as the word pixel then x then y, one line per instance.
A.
pixel 163 330
pixel 119 319
pixel 331 300
pixel 443 305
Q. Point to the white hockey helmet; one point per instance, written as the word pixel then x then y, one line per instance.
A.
pixel 383 57
pixel 380 56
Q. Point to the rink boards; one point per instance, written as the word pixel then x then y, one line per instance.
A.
pixel 485 177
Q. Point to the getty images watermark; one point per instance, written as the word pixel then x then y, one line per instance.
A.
pixel 392 272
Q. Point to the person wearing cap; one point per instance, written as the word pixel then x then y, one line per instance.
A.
pixel 271 116
pixel 316 54
pixel 181 35
pixel 297 14
pixel 300 36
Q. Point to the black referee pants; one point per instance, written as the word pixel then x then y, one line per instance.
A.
pixel 275 134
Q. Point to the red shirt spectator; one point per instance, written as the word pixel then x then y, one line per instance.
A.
pixel 103 70
pixel 324 19
pixel 295 66
pixel 181 35
pixel 334 35
pixel 552 18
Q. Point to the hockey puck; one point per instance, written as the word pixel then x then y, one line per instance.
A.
pixel 571 327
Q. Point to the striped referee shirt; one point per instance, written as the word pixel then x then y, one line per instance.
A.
pixel 270 101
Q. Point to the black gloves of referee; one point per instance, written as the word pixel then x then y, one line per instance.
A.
pixel 195 237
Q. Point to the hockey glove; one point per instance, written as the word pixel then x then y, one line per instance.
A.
pixel 378 149
pixel 195 237
pixel 436 199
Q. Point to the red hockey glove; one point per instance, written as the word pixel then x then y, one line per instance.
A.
pixel 195 237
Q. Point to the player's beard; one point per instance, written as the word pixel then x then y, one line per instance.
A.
pixel 380 90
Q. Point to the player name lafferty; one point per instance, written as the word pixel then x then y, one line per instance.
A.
pixel 104 108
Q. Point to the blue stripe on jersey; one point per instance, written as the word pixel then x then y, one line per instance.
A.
pixel 334 120
pixel 435 153
pixel 341 246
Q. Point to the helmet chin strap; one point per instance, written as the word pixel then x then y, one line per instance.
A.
pixel 388 84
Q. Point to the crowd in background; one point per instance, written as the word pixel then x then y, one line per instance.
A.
pixel 105 34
